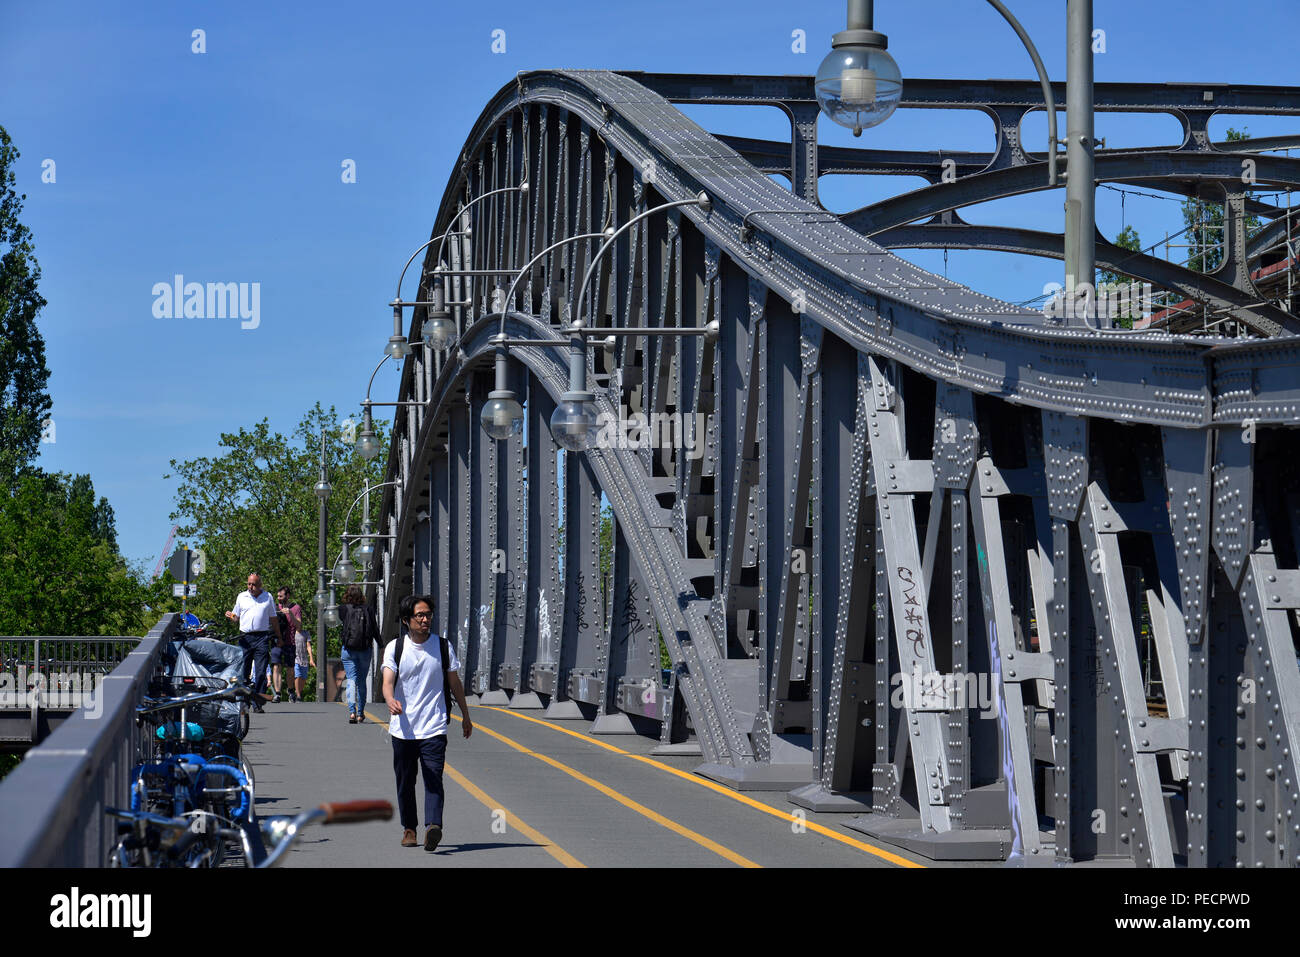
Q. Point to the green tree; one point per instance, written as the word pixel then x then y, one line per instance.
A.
pixel 1127 239
pixel 60 571
pixel 24 403
pixel 253 508
pixel 1204 224
pixel 606 552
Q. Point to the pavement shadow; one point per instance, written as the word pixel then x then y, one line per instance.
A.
pixel 462 848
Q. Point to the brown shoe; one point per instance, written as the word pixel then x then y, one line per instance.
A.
pixel 432 836
pixel 408 838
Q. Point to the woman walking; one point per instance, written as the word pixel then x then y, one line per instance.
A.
pixel 359 632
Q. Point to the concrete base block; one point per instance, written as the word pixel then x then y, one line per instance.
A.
pixel 497 697
pixel 758 777
pixel 685 749
pixel 471 699
pixel 984 844
pixel 816 797
pixel 526 700
pixel 617 723
pixel 563 709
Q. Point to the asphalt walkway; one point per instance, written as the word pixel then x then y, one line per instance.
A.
pixel 525 791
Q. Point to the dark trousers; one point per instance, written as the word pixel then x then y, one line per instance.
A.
pixel 257 652
pixel 428 754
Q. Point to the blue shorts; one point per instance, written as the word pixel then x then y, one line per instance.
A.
pixel 275 655
pixel 299 671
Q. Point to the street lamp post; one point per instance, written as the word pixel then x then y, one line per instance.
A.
pixel 1081 189
pixel 323 494
pixel 573 418
pixel 858 85
pixel 398 347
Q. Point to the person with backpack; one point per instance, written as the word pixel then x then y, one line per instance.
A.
pixel 359 632
pixel 419 680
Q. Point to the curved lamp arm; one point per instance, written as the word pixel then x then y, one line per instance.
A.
pixel 1048 96
pixel 522 188
pixel 533 262
pixel 364 493
pixel 702 200
pixel 423 247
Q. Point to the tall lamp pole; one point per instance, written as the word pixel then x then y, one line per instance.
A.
pixel 1081 190
pixel 323 494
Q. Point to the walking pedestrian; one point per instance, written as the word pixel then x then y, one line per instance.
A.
pixel 359 633
pixel 255 611
pixel 301 656
pixel 419 675
pixel 281 656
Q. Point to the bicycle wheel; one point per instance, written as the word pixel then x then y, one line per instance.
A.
pixel 125 853
pixel 203 846
pixel 248 773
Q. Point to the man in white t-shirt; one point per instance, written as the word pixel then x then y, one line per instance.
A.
pixel 255 611
pixel 416 689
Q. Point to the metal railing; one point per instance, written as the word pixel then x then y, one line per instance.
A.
pixel 52 804
pixel 56 669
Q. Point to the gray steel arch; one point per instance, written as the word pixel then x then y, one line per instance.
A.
pixel 1031 178
pixel 901 476
pixel 1263 318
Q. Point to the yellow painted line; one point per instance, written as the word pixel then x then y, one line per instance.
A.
pixel 720 789
pixel 627 802
pixel 534 835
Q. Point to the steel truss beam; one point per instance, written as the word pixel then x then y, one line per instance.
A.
pixel 900 477
pixel 1223 297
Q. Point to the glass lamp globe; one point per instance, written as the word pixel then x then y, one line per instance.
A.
pixel 323 490
pixel 502 415
pixel 859 86
pixel 367 444
pixel 438 331
pixel 398 347
pixel 572 421
pixel 322 598
pixel 345 571
pixel 365 551
pixel 331 615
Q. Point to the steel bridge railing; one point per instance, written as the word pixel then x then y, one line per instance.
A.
pixel 57 664
pixel 52 804
pixel 43 680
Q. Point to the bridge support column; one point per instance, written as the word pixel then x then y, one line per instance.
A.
pixel 539 664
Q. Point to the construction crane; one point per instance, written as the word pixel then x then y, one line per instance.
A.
pixel 166 550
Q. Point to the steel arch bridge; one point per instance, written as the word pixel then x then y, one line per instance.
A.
pixel 990 584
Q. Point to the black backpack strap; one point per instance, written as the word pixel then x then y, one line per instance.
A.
pixel 397 656
pixel 446 683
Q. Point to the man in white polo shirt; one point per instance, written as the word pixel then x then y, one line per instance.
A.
pixel 255 611
pixel 416 688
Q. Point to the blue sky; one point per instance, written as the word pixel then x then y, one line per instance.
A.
pixel 225 167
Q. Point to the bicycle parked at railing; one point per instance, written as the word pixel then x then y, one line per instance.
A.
pixel 153 840
pixel 211 791
pixel 207 723
pixel 192 664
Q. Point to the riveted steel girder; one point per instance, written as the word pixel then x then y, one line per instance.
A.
pixel 896 477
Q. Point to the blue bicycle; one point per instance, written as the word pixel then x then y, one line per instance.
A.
pixel 155 840
pixel 210 795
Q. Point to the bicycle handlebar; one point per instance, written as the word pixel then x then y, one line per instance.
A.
pixel 157 820
pixel 153 705
pixel 346 812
